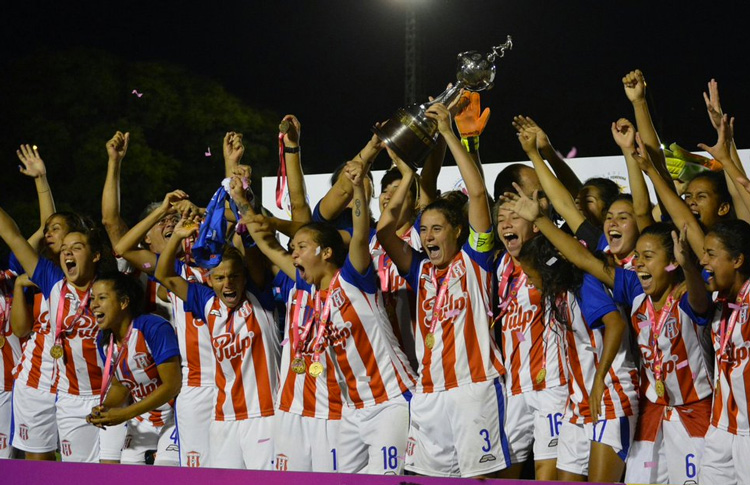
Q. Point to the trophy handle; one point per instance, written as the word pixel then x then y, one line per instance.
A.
pixel 499 51
pixel 446 97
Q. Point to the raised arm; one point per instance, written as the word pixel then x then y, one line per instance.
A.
pixel 715 114
pixel 260 230
pixel 295 177
pixel 675 206
pixel 528 208
pixel 359 247
pixel 623 133
pixel 479 208
pixel 34 167
pixel 428 177
pixel 528 133
pixel 339 196
pixel 698 297
pixel 164 272
pixel 12 236
pixel 21 314
pixel 233 150
pixel 127 246
pixel 255 261
pixel 388 225
pixel 615 327
pixel 113 223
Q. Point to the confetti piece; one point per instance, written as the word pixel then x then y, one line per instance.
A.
pixel 208 152
pixel 572 153
pixel 146 265
pixel 644 324
pixel 283 342
pixel 551 261
pixel 137 93
pixel 521 336
pixel 682 364
pixel 669 268
pixel 734 306
pixel 264 440
pixel 650 464
pixel 452 313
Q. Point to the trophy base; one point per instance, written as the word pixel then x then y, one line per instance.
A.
pixel 410 137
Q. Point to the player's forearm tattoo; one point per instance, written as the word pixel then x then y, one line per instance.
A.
pixel 358 207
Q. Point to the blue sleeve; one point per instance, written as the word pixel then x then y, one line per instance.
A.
pixel 282 285
pixel 627 286
pixel 265 296
pixel 343 221
pixel 100 347
pixel 159 336
pixel 177 268
pixel 365 282
pixel 699 320
pixel 46 276
pixel 480 248
pixel 595 301
pixel 15 265
pixel 412 277
pixel 198 296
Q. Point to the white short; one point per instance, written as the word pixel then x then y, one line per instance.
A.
pixel 373 440
pixel 458 432
pixel 79 440
pixel 6 424
pixel 242 444
pixel 305 444
pixel 533 421
pixel 111 441
pixel 674 457
pixel 194 409
pixel 143 436
pixel 574 450
pixel 34 420
pixel 726 458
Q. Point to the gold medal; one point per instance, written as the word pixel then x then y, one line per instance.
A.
pixel 660 388
pixel 316 368
pixel 56 351
pixel 541 376
pixel 429 340
pixel 298 366
pixel 284 126
pixel 2 341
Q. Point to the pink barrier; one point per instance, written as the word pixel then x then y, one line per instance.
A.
pixel 21 472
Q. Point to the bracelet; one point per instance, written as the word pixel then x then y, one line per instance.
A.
pixel 291 149
pixel 471 144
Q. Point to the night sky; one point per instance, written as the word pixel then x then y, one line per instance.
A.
pixel 339 65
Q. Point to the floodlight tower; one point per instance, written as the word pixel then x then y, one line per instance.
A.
pixel 411 78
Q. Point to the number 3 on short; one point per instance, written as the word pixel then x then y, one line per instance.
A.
pixel 486 436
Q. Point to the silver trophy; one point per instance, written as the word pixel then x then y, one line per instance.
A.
pixel 411 134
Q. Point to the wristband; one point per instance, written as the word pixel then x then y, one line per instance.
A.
pixel 291 149
pixel 471 143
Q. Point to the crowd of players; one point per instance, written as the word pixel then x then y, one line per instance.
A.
pixel 590 331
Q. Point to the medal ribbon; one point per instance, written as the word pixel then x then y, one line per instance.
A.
pixel 61 308
pixel 725 334
pixel 385 282
pixel 441 294
pixel 299 337
pixel 281 174
pixel 323 318
pixel 109 369
pixel 657 328
pixel 503 293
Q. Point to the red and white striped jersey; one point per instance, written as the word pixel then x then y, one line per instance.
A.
pixel 464 351
pixel 198 363
pixel 303 394
pixel 526 337
pixel 584 346
pixel 246 350
pixel 10 350
pixel 730 409
pixel 150 343
pixel 400 300
pixel 79 371
pixel 371 366
pixel 682 345
pixel 36 367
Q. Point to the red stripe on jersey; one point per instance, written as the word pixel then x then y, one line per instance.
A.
pixel 193 351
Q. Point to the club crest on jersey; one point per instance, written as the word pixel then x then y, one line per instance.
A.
pixel 65 448
pixel 23 432
pixel 411 443
pixel 3 441
pixel 282 463
pixel 193 459
pixel 337 298
pixel 743 314
pixel 459 269
pixel 141 360
pixel 671 328
pixel 245 310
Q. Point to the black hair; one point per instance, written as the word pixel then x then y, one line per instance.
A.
pixel 663 232
pixel 734 234
pixel 393 174
pixel 74 222
pixel 719 182
pixel 507 177
pixel 327 236
pixel 98 243
pixel 558 274
pixel 452 205
pixel 126 286
pixel 608 189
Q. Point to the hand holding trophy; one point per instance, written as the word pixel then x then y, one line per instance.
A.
pixel 411 134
